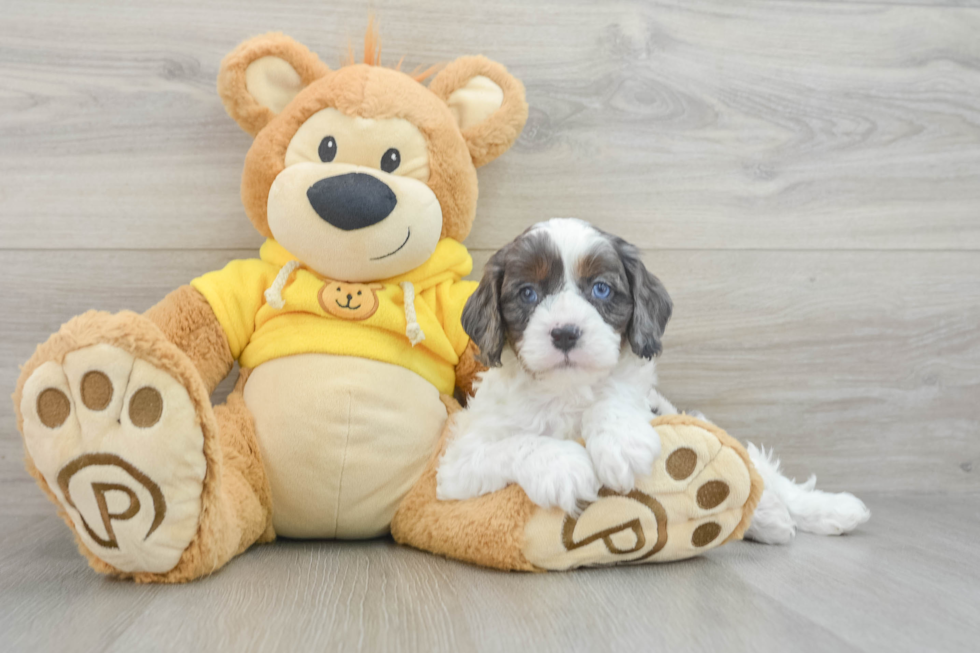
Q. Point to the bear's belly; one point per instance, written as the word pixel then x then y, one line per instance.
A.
pixel 343 439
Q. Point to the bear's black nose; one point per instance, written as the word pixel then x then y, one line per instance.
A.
pixel 352 201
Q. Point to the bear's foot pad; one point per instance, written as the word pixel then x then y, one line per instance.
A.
pixel 120 445
pixel 700 494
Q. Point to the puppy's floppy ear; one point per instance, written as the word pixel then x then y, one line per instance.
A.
pixel 487 102
pixel 262 75
pixel 651 303
pixel 483 321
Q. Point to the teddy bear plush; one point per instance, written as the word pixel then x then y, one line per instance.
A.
pixel 348 336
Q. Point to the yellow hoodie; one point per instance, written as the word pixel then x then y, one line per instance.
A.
pixel 370 320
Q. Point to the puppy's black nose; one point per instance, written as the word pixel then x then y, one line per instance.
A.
pixel 352 201
pixel 565 337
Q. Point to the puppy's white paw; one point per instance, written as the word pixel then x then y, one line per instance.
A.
pixel 559 475
pixel 461 478
pixel 621 450
pixel 659 404
pixel 771 522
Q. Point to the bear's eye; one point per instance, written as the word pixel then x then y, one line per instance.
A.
pixel 390 160
pixel 328 149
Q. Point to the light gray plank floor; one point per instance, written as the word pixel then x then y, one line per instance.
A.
pixel 908 581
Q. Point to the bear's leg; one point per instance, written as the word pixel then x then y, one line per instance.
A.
pixel 486 530
pixel 120 433
pixel 700 493
pixel 245 501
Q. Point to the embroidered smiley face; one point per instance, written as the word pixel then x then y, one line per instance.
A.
pixel 349 301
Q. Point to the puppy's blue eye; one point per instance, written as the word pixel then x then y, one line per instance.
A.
pixel 601 290
pixel 527 294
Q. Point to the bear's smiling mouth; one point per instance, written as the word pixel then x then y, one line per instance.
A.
pixel 349 307
pixel 392 253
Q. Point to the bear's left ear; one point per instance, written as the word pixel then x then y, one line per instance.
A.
pixel 262 75
pixel 487 102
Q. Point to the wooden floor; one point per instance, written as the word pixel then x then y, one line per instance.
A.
pixel 909 581
pixel 803 175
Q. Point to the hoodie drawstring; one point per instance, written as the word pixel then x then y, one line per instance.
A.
pixel 413 331
pixel 273 295
pixel 412 328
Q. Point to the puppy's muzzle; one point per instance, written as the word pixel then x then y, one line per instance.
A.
pixel 352 201
pixel 565 337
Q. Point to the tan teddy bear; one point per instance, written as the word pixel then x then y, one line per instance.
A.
pixel 347 331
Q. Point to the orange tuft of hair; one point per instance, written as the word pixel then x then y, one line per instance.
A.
pixel 372 54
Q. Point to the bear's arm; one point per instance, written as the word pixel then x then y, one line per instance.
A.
pixel 467 369
pixel 187 320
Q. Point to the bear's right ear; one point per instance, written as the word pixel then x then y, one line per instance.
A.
pixel 262 75
pixel 486 101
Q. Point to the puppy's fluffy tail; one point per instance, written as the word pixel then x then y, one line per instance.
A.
pixel 787 505
pixel 808 509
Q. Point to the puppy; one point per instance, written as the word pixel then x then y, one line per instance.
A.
pixel 568 320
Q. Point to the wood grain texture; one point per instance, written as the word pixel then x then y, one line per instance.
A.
pixel 880 589
pixel 803 175
pixel 677 124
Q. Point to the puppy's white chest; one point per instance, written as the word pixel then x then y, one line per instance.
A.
pixel 562 416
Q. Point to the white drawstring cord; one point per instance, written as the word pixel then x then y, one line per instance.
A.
pixel 273 296
pixel 412 328
pixel 413 331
